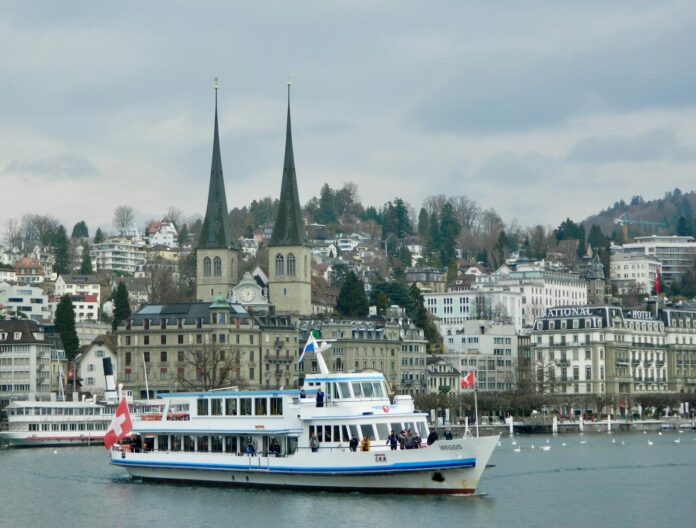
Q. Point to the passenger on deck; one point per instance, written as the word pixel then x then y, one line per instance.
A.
pixel 314 444
pixel 392 441
pixel 416 441
pixel 320 398
pixel 250 449
pixel 432 437
pixel 408 441
pixel 353 443
pixel 448 434
pixel 402 439
pixel 302 393
pixel 365 444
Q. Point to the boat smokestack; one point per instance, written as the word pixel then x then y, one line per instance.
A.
pixel 110 381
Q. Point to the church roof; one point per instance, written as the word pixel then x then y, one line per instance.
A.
pixel 216 232
pixel 289 227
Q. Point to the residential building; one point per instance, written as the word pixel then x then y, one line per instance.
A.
pixel 86 307
pixel 8 275
pixel 163 234
pixel 81 285
pixel 489 349
pixel 118 254
pixel 89 330
pixel 442 377
pixel 25 361
pixel 29 301
pixel 677 254
pixel 89 363
pixel 28 271
pixel 632 271
pixel 428 279
pixel 453 309
pixel 680 341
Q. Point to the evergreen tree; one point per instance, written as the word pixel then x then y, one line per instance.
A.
pixel 61 246
pixel 421 318
pixel 98 236
pixel 183 234
pixel 80 230
pixel 449 230
pixel 405 256
pixel 352 301
pixel 582 248
pixel 65 326
pixel 86 265
pixel 423 225
pixel 122 309
pixel 382 303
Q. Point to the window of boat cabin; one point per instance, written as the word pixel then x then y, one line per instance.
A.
pixel 175 443
pixel 245 406
pixel 163 443
pixel 383 430
pixel 230 444
pixel 231 406
pixel 276 406
pixel 189 443
pixel 202 443
pixel 396 427
pixel 216 442
pixel 367 430
pixel 261 406
pixel 355 432
pixel 357 389
pixel 216 406
pixel 327 432
pixel 344 389
pixel 345 433
pixel 203 407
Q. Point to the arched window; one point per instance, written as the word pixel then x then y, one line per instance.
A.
pixel 291 264
pixel 280 265
pixel 206 267
pixel 339 365
pixel 217 267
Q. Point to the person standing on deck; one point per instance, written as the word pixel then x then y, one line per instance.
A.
pixel 365 444
pixel 392 441
pixel 314 443
pixel 320 398
pixel 353 443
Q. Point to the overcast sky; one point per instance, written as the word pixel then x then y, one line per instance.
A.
pixel 537 109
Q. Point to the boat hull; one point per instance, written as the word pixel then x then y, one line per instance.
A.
pixel 47 440
pixel 447 467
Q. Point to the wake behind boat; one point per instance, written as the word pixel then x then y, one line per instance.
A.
pixel 333 434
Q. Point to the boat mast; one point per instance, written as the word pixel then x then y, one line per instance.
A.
pixel 147 387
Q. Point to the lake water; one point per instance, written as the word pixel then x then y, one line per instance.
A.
pixel 594 480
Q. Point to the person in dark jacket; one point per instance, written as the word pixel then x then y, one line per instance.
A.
pixel 432 437
pixel 353 443
pixel 448 434
pixel 392 441
pixel 320 398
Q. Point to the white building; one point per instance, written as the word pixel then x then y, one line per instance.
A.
pixel 85 307
pixel 8 275
pixel 118 255
pixel 633 272
pixel 89 363
pixel 677 254
pixel 25 299
pixel 25 361
pixel 489 349
pixel 453 309
pixel 78 285
pixel 164 235
pixel 540 289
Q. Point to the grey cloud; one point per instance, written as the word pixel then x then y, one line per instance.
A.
pixel 656 144
pixel 66 166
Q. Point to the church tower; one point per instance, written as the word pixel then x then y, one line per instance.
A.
pixel 217 255
pixel 289 256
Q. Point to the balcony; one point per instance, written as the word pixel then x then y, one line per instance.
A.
pixel 622 362
pixel 563 362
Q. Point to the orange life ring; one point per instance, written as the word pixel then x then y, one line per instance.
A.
pixel 385 408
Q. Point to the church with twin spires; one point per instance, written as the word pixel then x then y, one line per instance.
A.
pixel 218 256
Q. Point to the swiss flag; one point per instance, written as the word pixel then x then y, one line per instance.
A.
pixel 120 426
pixel 468 380
pixel 657 283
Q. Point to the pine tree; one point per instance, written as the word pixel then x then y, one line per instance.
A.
pixel 65 326
pixel 423 224
pixel 382 303
pixel 98 236
pixel 122 309
pixel 352 301
pixel 61 245
pixel 86 265
pixel 80 230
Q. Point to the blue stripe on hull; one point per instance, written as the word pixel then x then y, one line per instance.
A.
pixel 403 467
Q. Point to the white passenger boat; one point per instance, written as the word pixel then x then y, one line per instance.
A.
pixel 33 423
pixel 264 439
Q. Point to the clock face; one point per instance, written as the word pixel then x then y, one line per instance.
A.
pixel 246 294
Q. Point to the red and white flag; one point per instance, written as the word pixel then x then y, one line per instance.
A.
pixel 120 426
pixel 657 283
pixel 468 380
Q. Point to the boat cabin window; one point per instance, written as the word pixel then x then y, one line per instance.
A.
pixel 175 443
pixel 163 442
pixel 203 407
pixel 333 390
pixel 422 430
pixel 357 389
pixel 245 406
pixel 189 443
pixel 276 406
pixel 367 389
pixel 216 442
pixel 354 432
pixel 396 427
pixel 383 431
pixel 344 431
pixel 344 389
pixel 367 430
pixel 216 406
pixel 230 444
pixel 231 406
pixel 261 406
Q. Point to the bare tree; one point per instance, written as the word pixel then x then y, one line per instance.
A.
pixel 212 366
pixel 468 212
pixel 39 228
pixel 162 286
pixel 123 217
pixel 13 233
pixel 174 215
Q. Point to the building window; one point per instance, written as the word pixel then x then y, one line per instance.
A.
pixel 146 357
pixel 291 264
pixel 128 358
pixel 146 340
pixel 206 267
pixel 217 267
pixel 163 340
pixel 163 357
pixel 279 265
pixel 180 339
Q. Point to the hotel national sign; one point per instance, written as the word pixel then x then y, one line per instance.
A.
pixel 567 312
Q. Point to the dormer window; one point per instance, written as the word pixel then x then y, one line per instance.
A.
pixel 3 336
pixel 17 336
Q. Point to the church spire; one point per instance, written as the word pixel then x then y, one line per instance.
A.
pixel 289 227
pixel 216 232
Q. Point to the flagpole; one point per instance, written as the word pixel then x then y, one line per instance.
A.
pixel 476 411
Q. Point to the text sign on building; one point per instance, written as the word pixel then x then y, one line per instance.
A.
pixel 567 312
pixel 639 314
